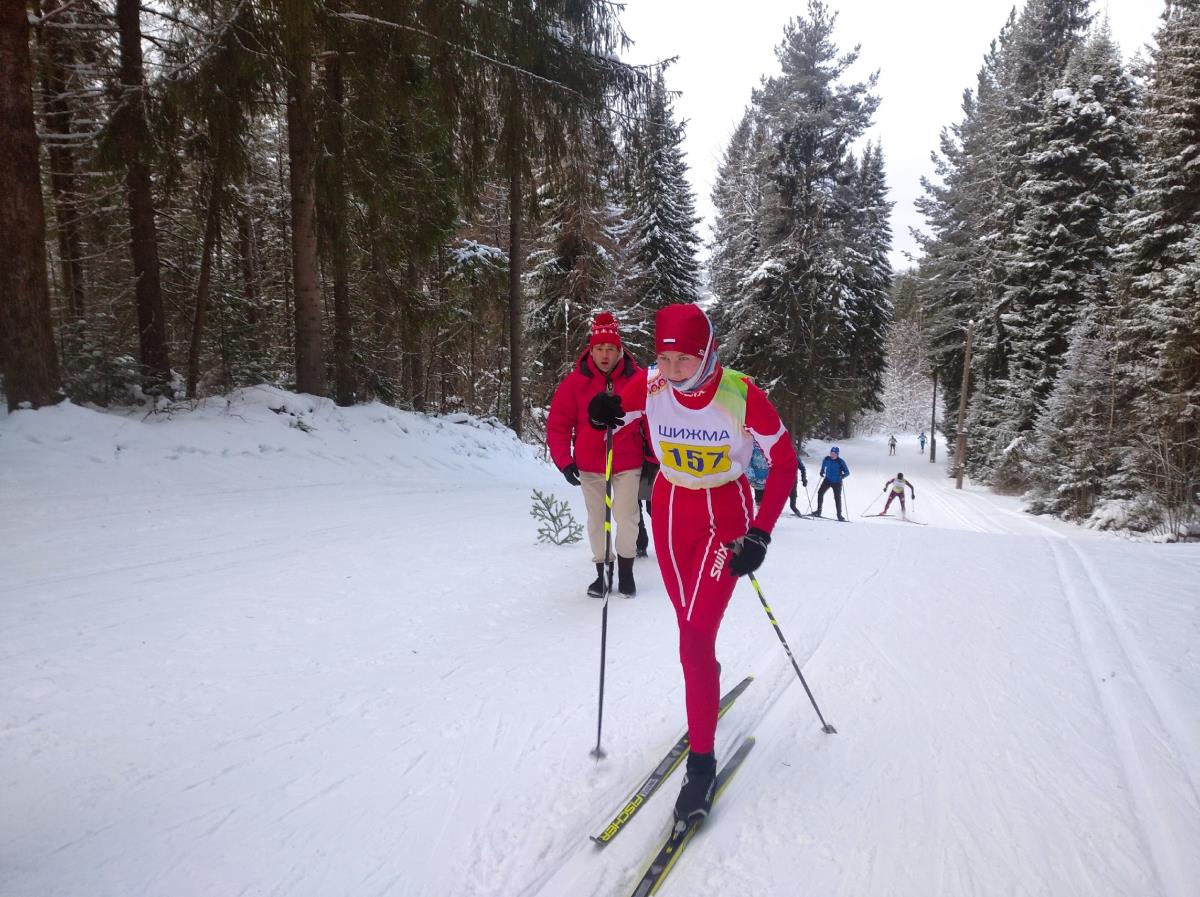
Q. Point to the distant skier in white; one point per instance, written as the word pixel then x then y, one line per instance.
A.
pixel 892 445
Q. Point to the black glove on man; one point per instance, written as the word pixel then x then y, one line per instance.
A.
pixel 571 472
pixel 605 411
pixel 750 556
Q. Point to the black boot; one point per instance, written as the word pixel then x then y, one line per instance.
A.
pixel 643 540
pixel 596 589
pixel 696 796
pixel 625 584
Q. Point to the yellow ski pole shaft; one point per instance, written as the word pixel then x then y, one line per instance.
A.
pixel 606 575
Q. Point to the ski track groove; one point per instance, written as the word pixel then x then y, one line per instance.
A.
pixel 1140 785
pixel 1147 681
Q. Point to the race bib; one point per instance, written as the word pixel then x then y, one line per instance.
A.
pixel 696 460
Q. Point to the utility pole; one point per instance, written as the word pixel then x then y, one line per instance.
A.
pixel 933 422
pixel 960 449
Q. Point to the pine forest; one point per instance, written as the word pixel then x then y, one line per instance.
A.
pixel 425 202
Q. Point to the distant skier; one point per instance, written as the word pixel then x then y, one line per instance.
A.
pixel 892 445
pixel 897 484
pixel 704 421
pixel 578 450
pixel 833 471
pixel 921 439
pixel 757 472
pixel 803 482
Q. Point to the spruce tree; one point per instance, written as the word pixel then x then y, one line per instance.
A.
pixel 662 208
pixel 790 325
pixel 1076 173
pixel 1074 448
pixel 868 241
pixel 1158 312
pixel 737 199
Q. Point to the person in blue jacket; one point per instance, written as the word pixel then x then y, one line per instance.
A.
pixel 757 472
pixel 833 471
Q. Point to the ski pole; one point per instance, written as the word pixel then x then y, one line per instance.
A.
pixel 597 751
pixel 825 727
pixel 872 504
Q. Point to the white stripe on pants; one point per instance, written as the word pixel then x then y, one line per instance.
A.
pixel 624 516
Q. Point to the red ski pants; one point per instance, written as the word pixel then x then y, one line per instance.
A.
pixel 887 504
pixel 692 528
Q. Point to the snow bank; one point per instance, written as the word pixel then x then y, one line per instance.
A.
pixel 284 437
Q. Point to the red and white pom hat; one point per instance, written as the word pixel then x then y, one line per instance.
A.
pixel 605 330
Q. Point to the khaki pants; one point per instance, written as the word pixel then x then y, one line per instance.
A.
pixel 624 513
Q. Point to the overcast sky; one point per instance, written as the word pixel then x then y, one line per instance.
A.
pixel 926 51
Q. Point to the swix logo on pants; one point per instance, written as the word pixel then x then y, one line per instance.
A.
pixel 718 564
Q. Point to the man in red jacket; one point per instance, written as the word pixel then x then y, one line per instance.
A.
pixel 578 450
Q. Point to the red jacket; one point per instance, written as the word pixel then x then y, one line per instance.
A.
pixel 568 433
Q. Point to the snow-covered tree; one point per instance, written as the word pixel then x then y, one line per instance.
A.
pixel 1076 173
pixel 737 197
pixel 795 308
pixel 662 209
pixel 1074 449
pixel 868 242
pixel 1158 311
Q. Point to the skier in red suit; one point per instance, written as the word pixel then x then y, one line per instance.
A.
pixel 703 421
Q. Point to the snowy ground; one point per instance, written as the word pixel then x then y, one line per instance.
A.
pixel 317 651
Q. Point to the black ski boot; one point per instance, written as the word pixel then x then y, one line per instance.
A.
pixel 596 589
pixel 699 784
pixel 841 518
pixel 643 540
pixel 625 583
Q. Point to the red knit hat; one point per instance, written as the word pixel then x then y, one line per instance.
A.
pixel 605 330
pixel 682 328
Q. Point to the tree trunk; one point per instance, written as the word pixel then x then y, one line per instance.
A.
pixel 134 137
pixel 59 117
pixel 249 280
pixel 335 226
pixel 212 227
pixel 302 155
pixel 515 304
pixel 383 298
pixel 27 354
pixel 412 339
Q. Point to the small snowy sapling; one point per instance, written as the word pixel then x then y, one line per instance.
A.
pixel 557 522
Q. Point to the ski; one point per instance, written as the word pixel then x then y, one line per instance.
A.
pixel 899 519
pixel 827 519
pixel 662 771
pixel 675 843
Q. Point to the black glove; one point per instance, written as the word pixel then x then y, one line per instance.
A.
pixel 750 555
pixel 605 411
pixel 571 472
pixel 914 495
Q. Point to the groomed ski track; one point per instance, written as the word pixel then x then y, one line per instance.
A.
pixel 350 671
